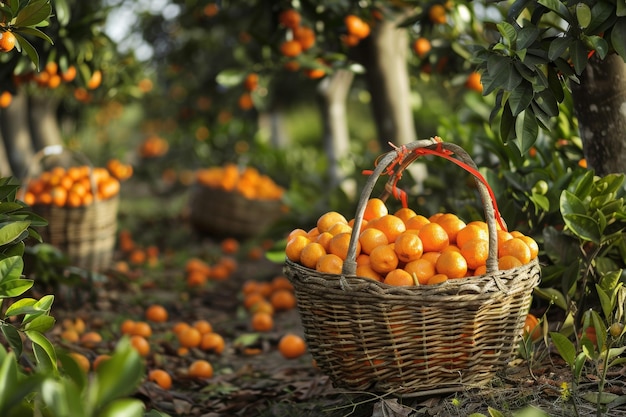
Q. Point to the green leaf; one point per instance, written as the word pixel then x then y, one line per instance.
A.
pixel 578 54
pixel 584 185
pixel 584 227
pixel 36 32
pixel 583 15
pixel 553 295
pixel 494 413
pixel 508 32
pixel 34 13
pixel 571 204
pixel 125 407
pixel 527 36
pixel 599 398
pixel 609 281
pixel 565 347
pixel 526 130
pixel 605 302
pixel 547 102
pixel 12 335
pixel 10 232
pixel 22 306
pixel 15 288
pixel 621 9
pixel 579 365
pixel 62 12
pixel 507 123
pixel 559 8
pixel 72 369
pixel 230 77
pixel 29 49
pixel 44 351
pixel 558 46
pixel 520 98
pixel 40 324
pixel 118 376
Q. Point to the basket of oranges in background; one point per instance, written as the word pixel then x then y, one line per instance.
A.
pixel 234 201
pixel 79 201
pixel 407 304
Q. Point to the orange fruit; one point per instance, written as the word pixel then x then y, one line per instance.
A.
pixel 508 262
pixel 161 378
pixel 481 270
pixel 5 99
pixel 340 243
pixel 422 269
pixel 366 271
pixel 452 264
pixel 371 238
pixel 127 326
pixel 294 247
pixel 531 327
pixel 99 360
pixel 473 82
pixel 262 322
pixel 363 259
pixel 7 41
pixel 95 80
pixel 434 237
pixel 140 344
pixel 384 259
pixel 262 305
pixel 283 300
pixel 471 232
pixel 69 74
pixel 503 236
pixel 421 46
pixel 399 277
pixel 327 220
pixel 339 228
pixel 251 82
pixel 416 222
pixel 437 14
pixel 305 35
pixel 391 226
pixel 229 245
pixel 291 48
pixel 408 247
pixel 330 264
pixel 311 253
pixel 451 224
pixel 291 346
pixel 431 257
pixel 356 26
pixel 374 209
pixel 532 245
pixel 289 18
pixel 475 252
pixel 405 214
pixel 70 335
pixel 200 369
pixel 251 299
pixel 516 247
pixel 190 338
pixel 281 282
pixel 180 327
pixel 324 239
pixel 203 326
pixel 212 342
pixel 90 339
pixel 141 328
pixel 437 279
pixel 81 360
pixel 245 101
pixel 156 313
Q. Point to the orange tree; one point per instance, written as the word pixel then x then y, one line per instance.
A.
pixel 62 63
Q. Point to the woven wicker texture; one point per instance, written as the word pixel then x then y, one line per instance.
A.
pixel 413 341
pixel 224 213
pixel 85 234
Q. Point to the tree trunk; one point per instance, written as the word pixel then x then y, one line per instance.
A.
pixel 16 135
pixel 384 56
pixel 43 121
pixel 599 105
pixel 333 91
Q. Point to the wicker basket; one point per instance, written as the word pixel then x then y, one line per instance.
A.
pixel 225 213
pixel 413 341
pixel 86 235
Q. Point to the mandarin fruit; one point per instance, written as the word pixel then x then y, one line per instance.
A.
pixel 366 271
pixel 291 346
pixel 416 222
pixel 212 342
pixel 340 244
pixel 370 238
pixel 391 226
pixel 471 232
pixel 374 209
pixel 200 369
pixel 329 264
pixel 437 279
pixel 516 247
pixel 408 247
pixel 508 262
pixel 327 220
pixel 475 252
pixel 384 259
pixel 399 278
pixel 452 264
pixel 311 253
pixel 161 378
pixel 434 237
pixel 283 300
pixel 422 269
pixel 262 322
pixel 156 313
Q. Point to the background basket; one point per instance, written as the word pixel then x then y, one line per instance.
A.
pixel 230 214
pixel 413 341
pixel 86 235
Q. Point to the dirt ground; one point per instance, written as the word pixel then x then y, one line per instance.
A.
pixel 251 377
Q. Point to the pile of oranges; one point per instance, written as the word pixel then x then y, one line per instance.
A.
pixel 406 248
pixel 248 182
pixel 76 186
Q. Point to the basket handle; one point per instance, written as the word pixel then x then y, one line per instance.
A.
pixel 395 162
pixel 57 150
